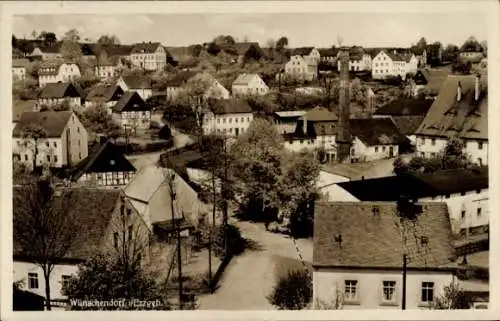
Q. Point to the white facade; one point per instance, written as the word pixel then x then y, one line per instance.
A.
pixel 326 141
pixel 66 72
pixel 107 178
pixel 72 101
pixel 254 86
pixel 227 124
pixel 465 56
pixel 383 66
pixel 34 281
pixel 134 120
pixel 429 147
pixel 365 153
pixel 300 68
pixel 19 73
pixel 314 56
pixel 364 289
pixel 150 61
pixel 365 63
pixel 145 93
pixel 106 71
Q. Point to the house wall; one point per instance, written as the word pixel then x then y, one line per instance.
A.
pixel 75 138
pixel 21 270
pixel 150 61
pixel 326 141
pixel 359 65
pixel 370 289
pixel 103 71
pixel 314 56
pixel 107 178
pixel 432 146
pixel 298 68
pixel 471 56
pixel 382 66
pixel 478 151
pixel 73 101
pixel 65 72
pixel 370 153
pixel 18 73
pixel 50 151
pixel 255 87
pixel 285 125
pixel 227 123
pixel 135 119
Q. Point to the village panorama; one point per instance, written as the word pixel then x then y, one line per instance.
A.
pixel 247 171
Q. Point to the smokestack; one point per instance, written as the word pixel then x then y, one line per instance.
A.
pixel 370 104
pixel 459 91
pixel 344 133
pixel 476 88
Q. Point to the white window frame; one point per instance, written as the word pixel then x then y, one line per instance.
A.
pixel 389 285
pixel 427 286
pixel 33 282
pixel 351 290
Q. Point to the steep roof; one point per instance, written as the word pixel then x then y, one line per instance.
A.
pixel 145 47
pixel 377 131
pixel 244 79
pixel 105 93
pixel 354 235
pixel 53 122
pixel 46 66
pixel 181 78
pixel 137 82
pixel 21 106
pixel 407 125
pixel 457 180
pixel 432 78
pixel 406 107
pixel 61 90
pixel 467 118
pixel 319 113
pixel 302 51
pixel 104 157
pixel 230 106
pixel 130 101
pixel 290 113
pixel 328 52
pixel 91 210
pixel 20 63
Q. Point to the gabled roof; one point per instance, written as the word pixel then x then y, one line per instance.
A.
pixel 53 122
pixel 137 82
pixel 328 52
pixel 105 93
pixel 49 47
pixel 103 158
pixel 130 101
pixel 244 79
pixel 319 113
pixel 302 51
pixel 21 106
pixel 354 235
pixel 467 118
pixel 405 107
pixel 407 125
pixel 181 78
pixel 61 90
pixel 55 64
pixel 457 180
pixel 20 63
pixel 377 131
pixel 230 106
pixel 145 47
pixel 290 113
pixel 91 210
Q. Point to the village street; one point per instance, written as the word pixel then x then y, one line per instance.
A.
pixel 251 276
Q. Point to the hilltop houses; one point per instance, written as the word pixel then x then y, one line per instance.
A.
pixel 230 117
pixel 59 93
pixel 393 64
pixel 19 68
pixel 249 84
pixel 149 56
pixel 53 71
pixel 300 68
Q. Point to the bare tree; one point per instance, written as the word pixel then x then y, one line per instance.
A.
pixel 43 226
pixel 31 136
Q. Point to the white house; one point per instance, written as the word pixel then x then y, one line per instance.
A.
pixel 358 255
pixel 62 140
pixel 141 85
pixel 58 93
pixel 108 68
pixel 392 64
pixel 229 117
pixel 465 191
pixel 358 60
pixel 310 54
pixel 96 215
pixel 132 112
pixel 214 89
pixel 461 111
pixel 176 84
pixel 249 84
pixel 300 68
pixel 53 71
pixel 19 69
pixel 149 56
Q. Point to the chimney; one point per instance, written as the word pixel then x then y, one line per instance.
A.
pixel 344 134
pixel 459 91
pixel 304 125
pixel 477 88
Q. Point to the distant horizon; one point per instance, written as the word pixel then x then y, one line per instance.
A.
pixel 355 29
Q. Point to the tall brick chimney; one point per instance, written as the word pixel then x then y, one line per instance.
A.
pixel 344 133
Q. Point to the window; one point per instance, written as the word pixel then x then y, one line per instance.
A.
pixel 447 196
pixel 230 120
pixel 433 142
pixel 427 292
pixel 433 154
pixel 47 144
pixel 48 158
pixel 223 120
pixel 383 148
pixel 479 212
pixel 350 293
pixel 130 231
pixel 65 279
pixel 480 161
pixel 79 143
pixel 389 291
pixel 478 191
pixel 236 119
pixel 115 240
pixel 463 214
pixel 376 149
pixel 54 144
pixel 32 280
pixel 462 193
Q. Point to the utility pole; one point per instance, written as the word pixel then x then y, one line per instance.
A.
pixel 211 231
pixel 224 197
pixel 178 235
pixel 403 304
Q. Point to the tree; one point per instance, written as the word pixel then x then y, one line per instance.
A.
pixel 462 67
pixel 422 44
pixel 43 226
pixel 49 38
pixel 165 132
pixel 195 50
pixel 70 50
pixel 108 40
pixel 281 44
pixel 293 292
pixel 96 119
pixel 454 298
pixel 213 48
pixel 31 136
pixel 72 35
pixel 224 41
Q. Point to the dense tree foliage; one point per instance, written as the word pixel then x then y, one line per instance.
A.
pixel 293 292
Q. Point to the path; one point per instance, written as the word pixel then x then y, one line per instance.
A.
pixel 250 277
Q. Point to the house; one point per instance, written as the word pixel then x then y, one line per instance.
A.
pixel 112 51
pixel 97 216
pixel 421 55
pixel 230 117
pixel 299 68
pixel 460 110
pixel 358 255
pixel 46 51
pixel 141 85
pixel 108 68
pixel 19 107
pixel 177 83
pixel 328 56
pixel 316 129
pixel 215 89
pixel 428 81
pixel 64 143
pixel 132 112
pixel 19 68
pixel 358 60
pixel 435 54
pixel 105 166
pixel 249 84
pixel 286 121
pixel 471 51
pixel 406 113
pixel 53 71
pixel 327 179
pixel 375 138
pixel 310 54
pixel 104 95
pixel 244 51
pixel 393 64
pixel 465 191
pixel 149 194
pixel 58 93
pixel 149 56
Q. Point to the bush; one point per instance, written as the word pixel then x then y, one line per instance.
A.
pixel 165 133
pixel 293 292
pixel 235 242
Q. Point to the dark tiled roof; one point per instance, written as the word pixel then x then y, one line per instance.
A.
pixel 467 119
pixel 302 51
pixel 405 107
pixel 105 93
pixel 61 90
pixel 19 63
pixel 457 180
pixel 230 106
pixel 145 47
pixel 328 52
pixel 181 78
pixel 371 240
pixel 377 131
pixel 90 210
pixel 319 113
pixel 434 78
pixel 135 82
pixel 104 157
pixel 407 125
pixel 130 101
pixel 53 122
pixel 21 106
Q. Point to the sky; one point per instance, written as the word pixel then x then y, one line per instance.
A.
pixel 302 29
